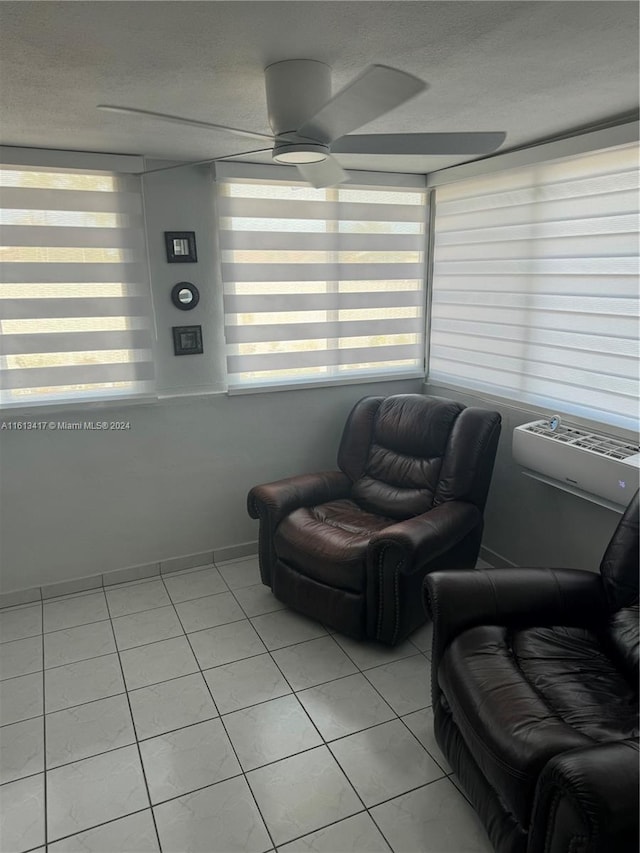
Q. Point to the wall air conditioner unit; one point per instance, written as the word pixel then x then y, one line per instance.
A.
pixel 594 466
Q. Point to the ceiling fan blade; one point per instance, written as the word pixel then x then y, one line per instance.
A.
pixel 376 91
pixel 110 108
pixel 326 173
pixel 419 143
pixel 202 162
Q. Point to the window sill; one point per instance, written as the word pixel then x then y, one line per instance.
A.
pixel 327 383
pixel 42 410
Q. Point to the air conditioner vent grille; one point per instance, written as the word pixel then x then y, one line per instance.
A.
pixel 603 445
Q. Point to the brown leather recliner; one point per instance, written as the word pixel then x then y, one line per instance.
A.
pixel 351 547
pixel 535 698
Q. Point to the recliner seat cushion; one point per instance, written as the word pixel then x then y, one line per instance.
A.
pixel 328 542
pixel 521 697
pixel 509 728
pixel 623 639
pixel 572 672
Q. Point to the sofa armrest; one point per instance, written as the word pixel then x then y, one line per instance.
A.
pixel 518 598
pixel 412 543
pixel 276 500
pixel 587 799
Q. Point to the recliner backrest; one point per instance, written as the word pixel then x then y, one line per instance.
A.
pixel 394 448
pixel 619 566
pixel 469 458
pixel 619 571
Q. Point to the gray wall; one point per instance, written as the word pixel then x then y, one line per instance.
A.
pixel 182 200
pixel 79 503
pixel 528 523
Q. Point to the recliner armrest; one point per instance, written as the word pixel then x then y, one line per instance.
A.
pixel 513 597
pixel 587 799
pixel 276 500
pixel 424 537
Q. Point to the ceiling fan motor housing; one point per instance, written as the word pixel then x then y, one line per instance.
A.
pixel 296 89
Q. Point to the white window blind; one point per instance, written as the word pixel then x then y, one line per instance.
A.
pixel 75 319
pixel 535 285
pixel 321 284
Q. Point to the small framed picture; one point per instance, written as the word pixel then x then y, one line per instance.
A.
pixel 187 340
pixel 181 247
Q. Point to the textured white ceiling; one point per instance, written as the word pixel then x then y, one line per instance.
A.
pixel 532 69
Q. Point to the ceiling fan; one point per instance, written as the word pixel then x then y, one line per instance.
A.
pixel 310 126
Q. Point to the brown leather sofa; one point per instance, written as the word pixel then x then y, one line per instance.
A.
pixel 351 547
pixel 535 697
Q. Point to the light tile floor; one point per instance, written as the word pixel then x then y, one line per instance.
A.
pixel 194 713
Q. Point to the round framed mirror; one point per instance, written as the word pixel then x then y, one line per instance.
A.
pixel 185 295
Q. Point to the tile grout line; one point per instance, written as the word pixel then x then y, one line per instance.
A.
pixel 325 826
pixel 178 636
pixel 325 741
pixel 149 609
pixel 398 715
pixel 364 671
pixel 335 758
pixel 127 585
pixel 95 826
pixel 247 657
pixel 219 716
pixel 44 740
pixel 327 744
pixel 364 810
pixel 78 705
pixel 322 738
pixel 432 757
pixel 103 586
pixel 135 733
pixel 410 791
pixel 237 757
pixel 185 634
pixel 294 693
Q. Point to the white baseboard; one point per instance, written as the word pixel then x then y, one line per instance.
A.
pixel 131 573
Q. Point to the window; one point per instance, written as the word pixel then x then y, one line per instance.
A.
pixel 321 285
pixel 75 321
pixel 535 285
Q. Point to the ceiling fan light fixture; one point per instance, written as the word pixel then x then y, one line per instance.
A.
pixel 294 154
